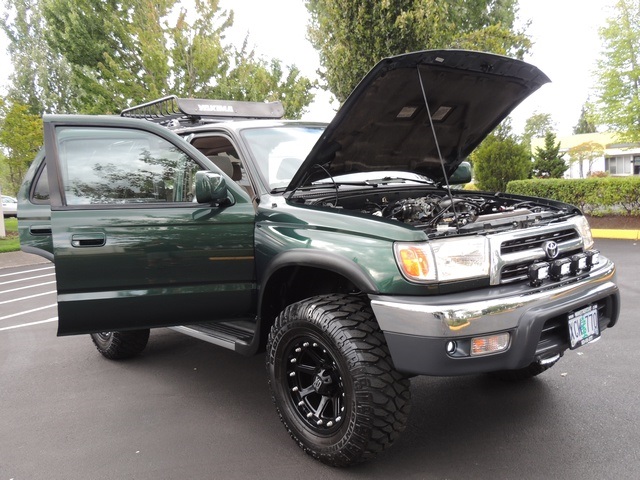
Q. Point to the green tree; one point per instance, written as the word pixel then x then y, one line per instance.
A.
pixel 351 36
pixel 587 123
pixel 120 53
pixel 114 54
pixel 585 152
pixel 253 79
pixel 41 78
pixel 618 71
pixel 548 162
pixel 537 125
pixel 21 137
pixel 499 159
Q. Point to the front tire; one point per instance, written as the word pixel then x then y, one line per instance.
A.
pixel 120 345
pixel 333 381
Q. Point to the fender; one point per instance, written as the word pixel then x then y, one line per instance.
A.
pixel 320 259
pixel 306 258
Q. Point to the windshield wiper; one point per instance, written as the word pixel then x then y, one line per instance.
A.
pixel 364 183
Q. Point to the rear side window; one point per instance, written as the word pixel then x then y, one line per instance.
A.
pixel 40 192
pixel 122 166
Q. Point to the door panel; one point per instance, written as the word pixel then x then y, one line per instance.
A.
pixel 132 248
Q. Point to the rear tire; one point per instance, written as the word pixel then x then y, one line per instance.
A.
pixel 333 381
pixel 120 345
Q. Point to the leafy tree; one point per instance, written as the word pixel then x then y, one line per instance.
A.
pixel 585 152
pixel 537 125
pixel 351 35
pixel 21 137
pixel 117 53
pixel 587 122
pixel 41 79
pixel 548 162
pixel 253 79
pixel 120 54
pixel 499 159
pixel 618 71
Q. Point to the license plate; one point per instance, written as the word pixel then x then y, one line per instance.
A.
pixel 583 326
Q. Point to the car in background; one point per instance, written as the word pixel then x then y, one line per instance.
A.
pixel 9 206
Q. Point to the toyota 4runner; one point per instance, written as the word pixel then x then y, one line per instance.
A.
pixel 340 249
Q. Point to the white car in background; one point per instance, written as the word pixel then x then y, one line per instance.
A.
pixel 9 206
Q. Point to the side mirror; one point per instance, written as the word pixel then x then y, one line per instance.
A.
pixel 211 188
pixel 461 175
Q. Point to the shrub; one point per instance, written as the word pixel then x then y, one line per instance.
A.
pixel 594 195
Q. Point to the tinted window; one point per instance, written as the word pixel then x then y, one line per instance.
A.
pixel 41 188
pixel 117 165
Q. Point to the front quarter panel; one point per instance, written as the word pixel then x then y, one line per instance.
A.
pixel 357 247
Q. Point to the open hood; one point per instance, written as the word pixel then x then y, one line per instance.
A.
pixel 384 124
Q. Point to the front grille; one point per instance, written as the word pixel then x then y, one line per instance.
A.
pixel 526 243
pixel 514 273
pixel 514 252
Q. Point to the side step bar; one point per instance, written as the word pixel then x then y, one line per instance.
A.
pixel 222 334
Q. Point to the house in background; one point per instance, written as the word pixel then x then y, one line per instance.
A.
pixel 596 152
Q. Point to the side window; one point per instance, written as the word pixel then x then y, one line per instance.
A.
pixel 123 166
pixel 220 150
pixel 40 191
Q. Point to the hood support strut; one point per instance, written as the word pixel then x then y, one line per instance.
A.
pixel 435 139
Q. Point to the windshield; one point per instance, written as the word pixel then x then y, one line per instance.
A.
pixel 279 151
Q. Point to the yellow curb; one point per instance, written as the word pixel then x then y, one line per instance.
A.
pixel 615 233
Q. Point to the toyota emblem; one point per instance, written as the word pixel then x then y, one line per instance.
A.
pixel 551 249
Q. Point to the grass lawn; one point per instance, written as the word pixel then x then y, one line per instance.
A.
pixel 11 242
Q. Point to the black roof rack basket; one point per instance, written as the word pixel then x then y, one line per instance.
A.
pixel 193 110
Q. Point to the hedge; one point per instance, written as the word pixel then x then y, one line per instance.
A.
pixel 594 196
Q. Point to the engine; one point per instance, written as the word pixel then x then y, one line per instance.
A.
pixel 441 212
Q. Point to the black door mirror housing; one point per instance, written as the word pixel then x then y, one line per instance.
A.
pixel 211 187
pixel 461 175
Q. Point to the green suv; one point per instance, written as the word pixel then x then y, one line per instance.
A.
pixel 341 250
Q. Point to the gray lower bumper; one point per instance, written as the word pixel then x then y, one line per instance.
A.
pixel 418 329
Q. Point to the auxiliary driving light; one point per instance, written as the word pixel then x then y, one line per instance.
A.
pixel 593 257
pixel 489 344
pixel 538 272
pixel 560 268
pixel 578 263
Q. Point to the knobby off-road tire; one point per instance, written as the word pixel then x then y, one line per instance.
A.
pixel 121 345
pixel 521 374
pixel 333 382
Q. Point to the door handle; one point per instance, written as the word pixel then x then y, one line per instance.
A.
pixel 40 229
pixel 89 240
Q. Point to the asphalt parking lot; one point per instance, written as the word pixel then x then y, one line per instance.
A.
pixel 186 409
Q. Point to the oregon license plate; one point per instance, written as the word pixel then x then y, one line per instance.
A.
pixel 583 326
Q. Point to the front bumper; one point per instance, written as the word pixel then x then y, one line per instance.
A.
pixel 417 329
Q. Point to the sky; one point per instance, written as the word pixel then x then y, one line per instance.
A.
pixel 564 32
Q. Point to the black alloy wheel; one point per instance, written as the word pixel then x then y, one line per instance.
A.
pixel 333 382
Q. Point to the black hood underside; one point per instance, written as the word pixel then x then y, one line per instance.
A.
pixel 385 123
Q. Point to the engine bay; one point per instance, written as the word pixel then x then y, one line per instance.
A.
pixel 438 211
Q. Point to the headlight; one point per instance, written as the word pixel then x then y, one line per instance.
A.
pixel 585 231
pixel 444 260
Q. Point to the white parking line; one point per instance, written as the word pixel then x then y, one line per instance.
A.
pixel 49 320
pixel 28 311
pixel 28 286
pixel 25 279
pixel 25 271
pixel 27 297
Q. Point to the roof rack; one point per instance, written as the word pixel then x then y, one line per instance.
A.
pixel 173 110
